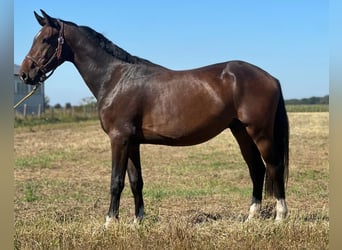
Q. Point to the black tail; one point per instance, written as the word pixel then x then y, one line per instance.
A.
pixel 281 142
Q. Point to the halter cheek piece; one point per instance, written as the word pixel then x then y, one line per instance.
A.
pixel 44 67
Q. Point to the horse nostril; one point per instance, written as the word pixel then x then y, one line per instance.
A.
pixel 23 76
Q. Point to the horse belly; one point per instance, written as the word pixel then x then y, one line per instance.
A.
pixel 181 131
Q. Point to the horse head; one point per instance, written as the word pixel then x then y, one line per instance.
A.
pixel 45 54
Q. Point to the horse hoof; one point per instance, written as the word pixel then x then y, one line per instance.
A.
pixel 254 211
pixel 109 221
pixel 281 210
pixel 138 220
pixel 280 217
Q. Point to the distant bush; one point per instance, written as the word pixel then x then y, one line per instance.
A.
pixel 309 101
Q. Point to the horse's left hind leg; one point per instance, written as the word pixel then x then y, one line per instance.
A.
pixel 255 164
pixel 275 183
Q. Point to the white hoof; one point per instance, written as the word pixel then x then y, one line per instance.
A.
pixel 109 220
pixel 138 220
pixel 254 210
pixel 140 216
pixel 281 210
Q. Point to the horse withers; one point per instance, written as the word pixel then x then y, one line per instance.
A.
pixel 140 102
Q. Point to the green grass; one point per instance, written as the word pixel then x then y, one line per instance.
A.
pixel 49 159
pixel 307 108
pixel 31 193
pixel 195 197
pixel 34 121
pixel 41 161
pixel 54 116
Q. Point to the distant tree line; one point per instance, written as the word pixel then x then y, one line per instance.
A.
pixel 87 102
pixel 91 102
pixel 308 101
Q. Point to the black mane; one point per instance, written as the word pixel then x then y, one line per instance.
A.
pixel 111 48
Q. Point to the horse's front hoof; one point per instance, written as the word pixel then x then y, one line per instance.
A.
pixel 138 220
pixel 109 221
pixel 139 216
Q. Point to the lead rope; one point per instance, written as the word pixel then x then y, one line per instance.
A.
pixel 28 95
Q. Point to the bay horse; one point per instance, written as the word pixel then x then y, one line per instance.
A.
pixel 140 102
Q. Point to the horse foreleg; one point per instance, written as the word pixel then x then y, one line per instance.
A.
pixel 136 180
pixel 119 147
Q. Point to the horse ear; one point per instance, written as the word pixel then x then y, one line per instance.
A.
pixel 50 20
pixel 45 15
pixel 40 19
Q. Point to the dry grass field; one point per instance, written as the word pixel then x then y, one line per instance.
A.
pixel 195 197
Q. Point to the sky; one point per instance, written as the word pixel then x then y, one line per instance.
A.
pixel 288 39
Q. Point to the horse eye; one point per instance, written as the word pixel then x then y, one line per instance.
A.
pixel 44 40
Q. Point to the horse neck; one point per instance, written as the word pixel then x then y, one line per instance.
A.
pixel 94 64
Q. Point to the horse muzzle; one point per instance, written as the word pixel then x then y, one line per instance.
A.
pixel 32 80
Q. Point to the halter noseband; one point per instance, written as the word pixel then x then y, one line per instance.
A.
pixel 57 54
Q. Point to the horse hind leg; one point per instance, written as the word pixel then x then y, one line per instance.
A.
pixel 275 169
pixel 255 164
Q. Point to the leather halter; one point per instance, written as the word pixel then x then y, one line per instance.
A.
pixel 57 54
